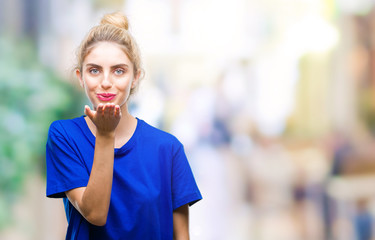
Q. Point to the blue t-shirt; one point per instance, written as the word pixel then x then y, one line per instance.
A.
pixel 151 178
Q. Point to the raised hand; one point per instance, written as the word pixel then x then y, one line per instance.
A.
pixel 106 117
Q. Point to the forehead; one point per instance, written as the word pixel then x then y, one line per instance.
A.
pixel 107 53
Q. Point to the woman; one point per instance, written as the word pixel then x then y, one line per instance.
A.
pixel 120 177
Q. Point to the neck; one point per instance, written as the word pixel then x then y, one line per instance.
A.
pixel 126 127
pixel 126 122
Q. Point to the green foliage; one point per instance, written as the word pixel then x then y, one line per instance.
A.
pixel 31 97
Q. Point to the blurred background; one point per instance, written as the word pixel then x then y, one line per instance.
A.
pixel 274 101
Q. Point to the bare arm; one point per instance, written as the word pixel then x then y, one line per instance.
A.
pixel 181 223
pixel 93 200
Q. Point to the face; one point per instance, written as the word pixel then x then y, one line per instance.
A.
pixel 107 75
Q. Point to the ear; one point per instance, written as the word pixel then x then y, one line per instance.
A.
pixel 79 76
pixel 136 79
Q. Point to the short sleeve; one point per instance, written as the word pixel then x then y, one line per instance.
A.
pixel 184 187
pixel 65 170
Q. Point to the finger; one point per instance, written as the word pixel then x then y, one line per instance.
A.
pixel 111 109
pixel 117 111
pixel 99 109
pixel 106 108
pixel 88 112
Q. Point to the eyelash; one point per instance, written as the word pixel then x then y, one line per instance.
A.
pixel 118 70
pixel 92 71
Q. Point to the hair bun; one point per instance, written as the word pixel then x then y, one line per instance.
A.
pixel 117 19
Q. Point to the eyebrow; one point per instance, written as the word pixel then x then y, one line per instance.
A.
pixel 123 65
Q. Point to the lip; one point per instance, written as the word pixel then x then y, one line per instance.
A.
pixel 105 96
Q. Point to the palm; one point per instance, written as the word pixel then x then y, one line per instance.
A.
pixel 106 117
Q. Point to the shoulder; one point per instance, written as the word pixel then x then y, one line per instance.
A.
pixel 62 127
pixel 158 136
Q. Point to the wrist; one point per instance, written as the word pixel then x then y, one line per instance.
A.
pixel 106 134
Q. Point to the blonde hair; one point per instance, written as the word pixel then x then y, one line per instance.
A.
pixel 113 27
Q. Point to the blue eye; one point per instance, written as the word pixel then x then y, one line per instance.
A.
pixel 119 71
pixel 94 71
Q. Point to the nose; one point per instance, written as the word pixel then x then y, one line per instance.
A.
pixel 106 82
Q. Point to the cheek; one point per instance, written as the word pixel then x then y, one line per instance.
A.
pixel 124 84
pixel 89 83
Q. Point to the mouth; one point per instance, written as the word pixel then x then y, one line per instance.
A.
pixel 105 96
